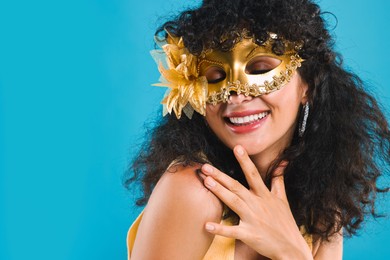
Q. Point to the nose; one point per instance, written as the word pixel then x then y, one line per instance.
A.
pixel 235 98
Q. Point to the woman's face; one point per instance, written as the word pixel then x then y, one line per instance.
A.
pixel 263 125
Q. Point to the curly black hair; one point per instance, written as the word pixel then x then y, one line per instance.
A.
pixel 331 178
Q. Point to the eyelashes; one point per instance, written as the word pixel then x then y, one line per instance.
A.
pixel 256 66
pixel 261 65
pixel 215 74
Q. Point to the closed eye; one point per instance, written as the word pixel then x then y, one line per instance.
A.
pixel 214 74
pixel 261 65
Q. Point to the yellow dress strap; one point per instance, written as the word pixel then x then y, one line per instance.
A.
pixel 220 248
pixel 132 234
pixel 308 237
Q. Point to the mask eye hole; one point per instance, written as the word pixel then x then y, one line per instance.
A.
pixel 261 65
pixel 214 74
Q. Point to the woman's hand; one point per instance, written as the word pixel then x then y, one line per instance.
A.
pixel 266 222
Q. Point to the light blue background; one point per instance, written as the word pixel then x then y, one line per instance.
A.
pixel 74 95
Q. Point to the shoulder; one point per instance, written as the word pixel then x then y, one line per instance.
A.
pixel 181 187
pixel 331 249
pixel 176 213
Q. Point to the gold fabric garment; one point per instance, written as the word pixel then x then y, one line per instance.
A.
pixel 222 248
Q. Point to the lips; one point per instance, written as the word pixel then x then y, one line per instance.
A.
pixel 245 122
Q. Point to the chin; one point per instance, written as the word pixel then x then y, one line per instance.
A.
pixel 252 150
pixel 250 147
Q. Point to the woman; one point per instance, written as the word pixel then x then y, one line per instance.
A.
pixel 269 148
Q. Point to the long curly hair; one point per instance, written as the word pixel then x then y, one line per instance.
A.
pixel 331 178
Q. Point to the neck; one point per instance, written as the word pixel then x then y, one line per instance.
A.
pixel 263 162
pixel 264 159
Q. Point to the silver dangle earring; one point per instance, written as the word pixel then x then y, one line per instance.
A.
pixel 302 127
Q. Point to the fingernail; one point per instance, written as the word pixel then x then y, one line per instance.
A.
pixel 240 150
pixel 210 227
pixel 210 182
pixel 207 168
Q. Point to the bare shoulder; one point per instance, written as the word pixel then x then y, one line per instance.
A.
pixel 173 221
pixel 332 249
pixel 181 185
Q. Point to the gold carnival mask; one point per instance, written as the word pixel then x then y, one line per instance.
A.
pixel 249 69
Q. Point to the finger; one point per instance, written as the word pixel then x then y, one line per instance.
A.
pixel 228 182
pixel 277 184
pixel 252 175
pixel 232 200
pixel 226 231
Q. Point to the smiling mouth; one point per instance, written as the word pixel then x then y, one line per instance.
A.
pixel 247 120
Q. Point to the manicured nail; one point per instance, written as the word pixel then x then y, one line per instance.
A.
pixel 210 182
pixel 207 168
pixel 210 227
pixel 240 150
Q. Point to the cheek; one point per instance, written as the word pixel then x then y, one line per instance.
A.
pixel 212 111
pixel 214 118
pixel 288 97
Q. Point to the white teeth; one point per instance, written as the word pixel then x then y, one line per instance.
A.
pixel 247 119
